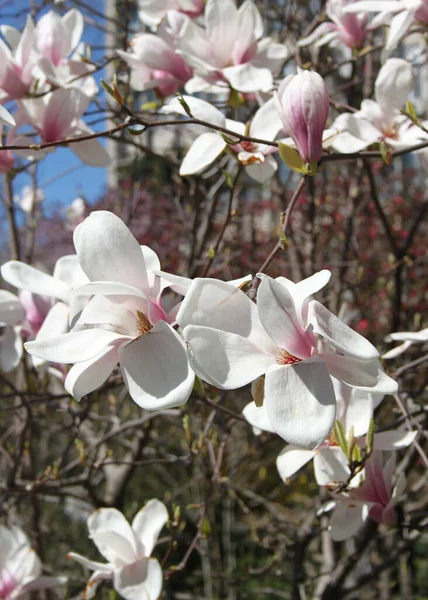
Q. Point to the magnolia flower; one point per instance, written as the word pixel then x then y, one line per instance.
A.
pixel 408 338
pixel 12 316
pixel 295 343
pixel 151 12
pixel 6 156
pixel 154 62
pixel 257 159
pixel 46 319
pixel 380 119
pixel 230 50
pixel 124 322
pixel 20 567
pixel 57 36
pixel 405 11
pixel 127 548
pixel 376 497
pixel 28 198
pixel 342 28
pixel 56 116
pixel 303 104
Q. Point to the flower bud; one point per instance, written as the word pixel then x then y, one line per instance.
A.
pixel 303 103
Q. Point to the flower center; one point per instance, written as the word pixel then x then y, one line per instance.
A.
pixel 285 358
pixel 143 324
pixel 248 146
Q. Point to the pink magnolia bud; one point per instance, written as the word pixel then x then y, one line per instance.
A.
pixel 303 104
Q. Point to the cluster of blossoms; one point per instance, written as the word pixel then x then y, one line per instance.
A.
pixel 315 382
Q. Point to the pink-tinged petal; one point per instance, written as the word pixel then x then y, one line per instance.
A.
pixel 277 313
pixel 91 152
pixel 347 520
pixel 339 335
pixel 319 32
pixel 155 369
pixel 222 27
pixel 112 535
pixel 148 523
pixel 200 109
pixel 141 580
pixel 300 402
pixel 365 375
pixel 394 440
pixel 258 417
pixel 330 465
pixel 90 564
pixel 73 347
pixel 291 459
pixel 87 376
pixel 226 360
pixel 10 348
pixel 65 106
pixel 220 305
pixel 108 251
pixel 6 118
pixel 204 150
pixel 11 309
pixel 23 276
pixel 248 78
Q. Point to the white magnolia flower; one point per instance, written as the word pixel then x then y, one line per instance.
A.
pixel 408 338
pixel 380 119
pixel 66 275
pixel 354 410
pixel 257 158
pixel 20 567
pixel 151 12
pixel 127 548
pixel 12 317
pixel 230 50
pixel 401 14
pixel 296 343
pixel 124 322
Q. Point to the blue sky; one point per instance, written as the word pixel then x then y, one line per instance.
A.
pixel 78 179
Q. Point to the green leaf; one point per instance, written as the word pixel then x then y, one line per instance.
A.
pixel 339 434
pixel 370 439
pixel 184 104
pixel 386 152
pixel 291 158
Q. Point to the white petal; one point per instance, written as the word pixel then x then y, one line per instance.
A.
pixel 347 520
pixel 155 369
pixel 248 78
pixel 87 376
pixel 108 251
pixel 141 580
pixel 365 375
pixel 257 417
pixel 73 347
pixel 10 348
pixel 6 118
pixel 399 25
pixel 291 460
pixel 11 309
pixel 92 153
pixel 330 465
pixel 300 402
pixel 200 109
pixel 113 535
pixel 204 150
pixel 220 305
pixel 226 360
pixel 339 335
pixel 42 583
pixel 24 277
pixel 359 412
pixel 394 440
pixel 90 564
pixel 68 269
pixel 55 324
pixel 148 523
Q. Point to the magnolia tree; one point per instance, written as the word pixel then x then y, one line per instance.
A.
pixel 216 372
